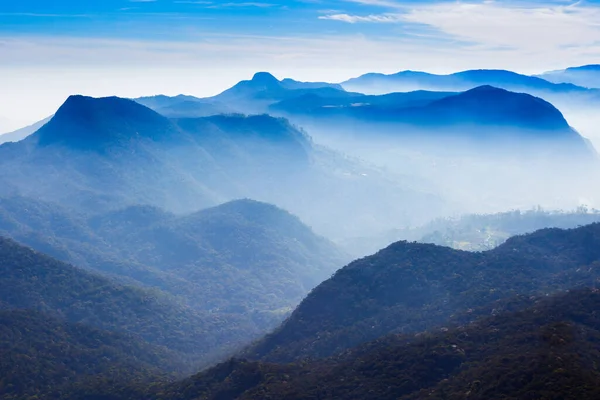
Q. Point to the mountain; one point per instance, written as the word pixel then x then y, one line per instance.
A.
pixel 411 287
pixel 293 84
pixel 412 80
pixel 457 141
pixel 44 356
pixel 255 95
pixel 484 105
pixel 33 281
pixel 585 76
pixel 247 97
pixel 245 262
pixel 98 155
pixel 93 123
pixel 183 106
pixel 22 133
pixel 546 351
pixel 563 95
pixel 485 113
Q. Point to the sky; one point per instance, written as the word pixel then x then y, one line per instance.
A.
pixel 130 48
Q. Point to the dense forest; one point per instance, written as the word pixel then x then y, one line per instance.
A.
pixel 547 351
pixel 246 261
pixel 33 281
pixel 410 287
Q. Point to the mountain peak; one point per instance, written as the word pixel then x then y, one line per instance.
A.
pixel 85 121
pixel 500 107
pixel 265 78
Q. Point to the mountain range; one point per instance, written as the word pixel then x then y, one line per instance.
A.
pixel 420 321
pixel 109 153
pixel 586 76
pixel 482 111
pixel 142 240
pixel 566 96
pixel 244 261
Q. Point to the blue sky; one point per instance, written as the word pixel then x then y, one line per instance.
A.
pixel 50 49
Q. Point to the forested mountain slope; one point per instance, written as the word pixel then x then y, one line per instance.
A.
pixel 410 287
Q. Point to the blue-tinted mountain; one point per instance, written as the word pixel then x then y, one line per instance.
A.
pixel 33 281
pixel 316 105
pixel 586 76
pixel 93 123
pixel 247 97
pixel 460 81
pixel 482 113
pixel 411 287
pixel 97 155
pixel 22 133
pixel 563 95
pixel 293 84
pixel 182 106
pixel 263 89
pixel 246 261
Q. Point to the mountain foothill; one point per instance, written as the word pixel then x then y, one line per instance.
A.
pixel 405 236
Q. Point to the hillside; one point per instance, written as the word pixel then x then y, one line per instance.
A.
pixel 33 281
pixel 548 350
pixel 246 262
pixel 410 287
pixel 44 356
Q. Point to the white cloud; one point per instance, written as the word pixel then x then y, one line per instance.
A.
pixel 526 27
pixel 382 18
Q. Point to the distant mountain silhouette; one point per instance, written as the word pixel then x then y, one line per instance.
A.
pixel 410 287
pixel 563 95
pixel 482 114
pixel 460 81
pixel 89 122
pixel 255 95
pixel 586 76
pixel 483 105
pixel 22 133
pixel 248 97
pixel 293 84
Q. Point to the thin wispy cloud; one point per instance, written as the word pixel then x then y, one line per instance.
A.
pixel 352 19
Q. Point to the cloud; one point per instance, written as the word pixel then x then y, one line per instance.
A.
pixel 523 26
pixel 534 28
pixel 352 19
